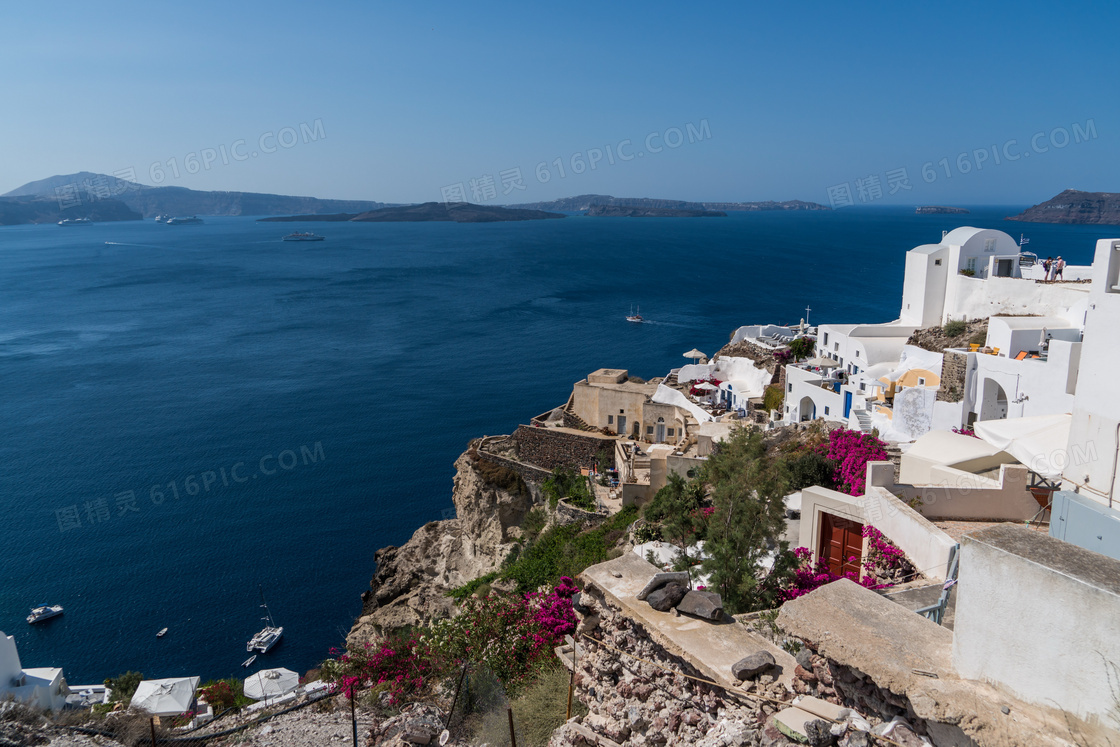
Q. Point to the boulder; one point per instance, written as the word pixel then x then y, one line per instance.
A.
pixel 667 597
pixel 751 666
pixel 660 579
pixel 705 604
pixel 805 658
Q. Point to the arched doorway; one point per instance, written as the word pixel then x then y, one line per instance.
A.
pixel 993 404
pixel 659 431
pixel 807 409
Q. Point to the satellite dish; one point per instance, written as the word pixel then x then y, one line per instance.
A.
pixel 444 737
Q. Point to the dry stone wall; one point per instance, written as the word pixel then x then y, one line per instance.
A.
pixel 550 449
pixel 953 369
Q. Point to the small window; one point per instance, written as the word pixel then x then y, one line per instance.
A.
pixel 836 346
pixel 921 381
pixel 826 409
pixel 787 409
pixel 649 430
pixel 937 262
pixel 610 420
pixel 825 338
pixel 622 412
pixel 671 431
pixel 862 386
pixel 791 387
pixel 989 245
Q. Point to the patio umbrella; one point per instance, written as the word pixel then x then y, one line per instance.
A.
pixel 166 697
pixel 707 386
pixel 822 362
pixel 694 353
pixel 269 683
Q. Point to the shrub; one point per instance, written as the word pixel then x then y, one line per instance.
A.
pixel 773 398
pixel 811 467
pixel 534 522
pixel 123 686
pixel 402 662
pixel 955 328
pixel 224 694
pixel 570 484
pixel 968 273
pixel 464 591
pixel 501 476
pixel 802 347
pixel 809 576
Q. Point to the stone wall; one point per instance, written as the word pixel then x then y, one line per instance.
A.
pixel 550 449
pixel 953 370
pixel 529 473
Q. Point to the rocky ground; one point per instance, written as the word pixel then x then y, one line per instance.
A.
pixel 935 339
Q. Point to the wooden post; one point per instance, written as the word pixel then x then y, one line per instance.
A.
pixel 512 738
pixel 353 716
pixel 152 723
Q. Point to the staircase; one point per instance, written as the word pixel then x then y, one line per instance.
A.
pixel 863 417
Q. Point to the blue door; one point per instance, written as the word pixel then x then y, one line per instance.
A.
pixel 847 404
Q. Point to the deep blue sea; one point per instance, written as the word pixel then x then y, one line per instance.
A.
pixel 134 356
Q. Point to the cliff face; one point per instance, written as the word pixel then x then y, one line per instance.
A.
pixel 1074 206
pixel 411 580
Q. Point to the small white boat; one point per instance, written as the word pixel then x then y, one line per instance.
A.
pixel 249 661
pixel 637 318
pixel 162 633
pixel 44 612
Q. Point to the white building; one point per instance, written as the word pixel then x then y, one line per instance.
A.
pixel 1093 454
pixel 38 687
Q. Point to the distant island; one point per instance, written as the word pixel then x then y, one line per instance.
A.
pixel 1075 206
pixel 458 212
pixel 583 203
pixel 15 211
pixel 940 210
pixel 85 194
pixel 618 211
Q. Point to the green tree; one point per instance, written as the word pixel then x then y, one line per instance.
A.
pixel 123 685
pixel 747 492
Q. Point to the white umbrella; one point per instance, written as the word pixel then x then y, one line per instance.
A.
pixel 166 697
pixel 707 385
pixel 694 353
pixel 269 683
pixel 822 363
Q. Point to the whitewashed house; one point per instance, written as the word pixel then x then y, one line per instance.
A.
pixel 38 687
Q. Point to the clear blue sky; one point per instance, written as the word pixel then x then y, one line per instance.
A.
pixel 415 97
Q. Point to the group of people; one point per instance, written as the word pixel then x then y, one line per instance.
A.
pixel 1053 267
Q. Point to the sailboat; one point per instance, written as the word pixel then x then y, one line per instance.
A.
pixel 269 635
pixel 635 317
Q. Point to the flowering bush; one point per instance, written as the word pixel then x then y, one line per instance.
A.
pixel 966 432
pixel 884 559
pixel 695 391
pixel 219 695
pixel 809 576
pixel 402 663
pixel 852 450
pixel 511 635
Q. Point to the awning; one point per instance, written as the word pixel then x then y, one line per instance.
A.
pixel 1039 441
pixel 270 682
pixel 821 363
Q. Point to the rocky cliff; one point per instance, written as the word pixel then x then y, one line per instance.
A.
pixel 411 581
pixel 1074 206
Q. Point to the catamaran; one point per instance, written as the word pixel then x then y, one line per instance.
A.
pixel 269 635
pixel 44 612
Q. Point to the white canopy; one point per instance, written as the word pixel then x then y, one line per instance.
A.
pixel 1038 441
pixel 166 697
pixel 707 386
pixel 269 683
pixel 821 362
pixel 694 353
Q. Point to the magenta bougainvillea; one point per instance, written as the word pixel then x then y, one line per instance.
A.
pixel 883 558
pixel 851 451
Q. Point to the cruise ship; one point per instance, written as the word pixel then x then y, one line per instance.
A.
pixel 297 236
pixel 183 221
pixel 75 222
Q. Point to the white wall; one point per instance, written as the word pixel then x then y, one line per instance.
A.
pixel 1040 618
pixel 1094 439
pixel 800 384
pixel 923 286
pixel 1045 383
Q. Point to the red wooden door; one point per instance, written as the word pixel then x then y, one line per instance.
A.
pixel 841 544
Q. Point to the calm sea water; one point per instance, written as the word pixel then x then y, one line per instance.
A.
pixel 134 356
